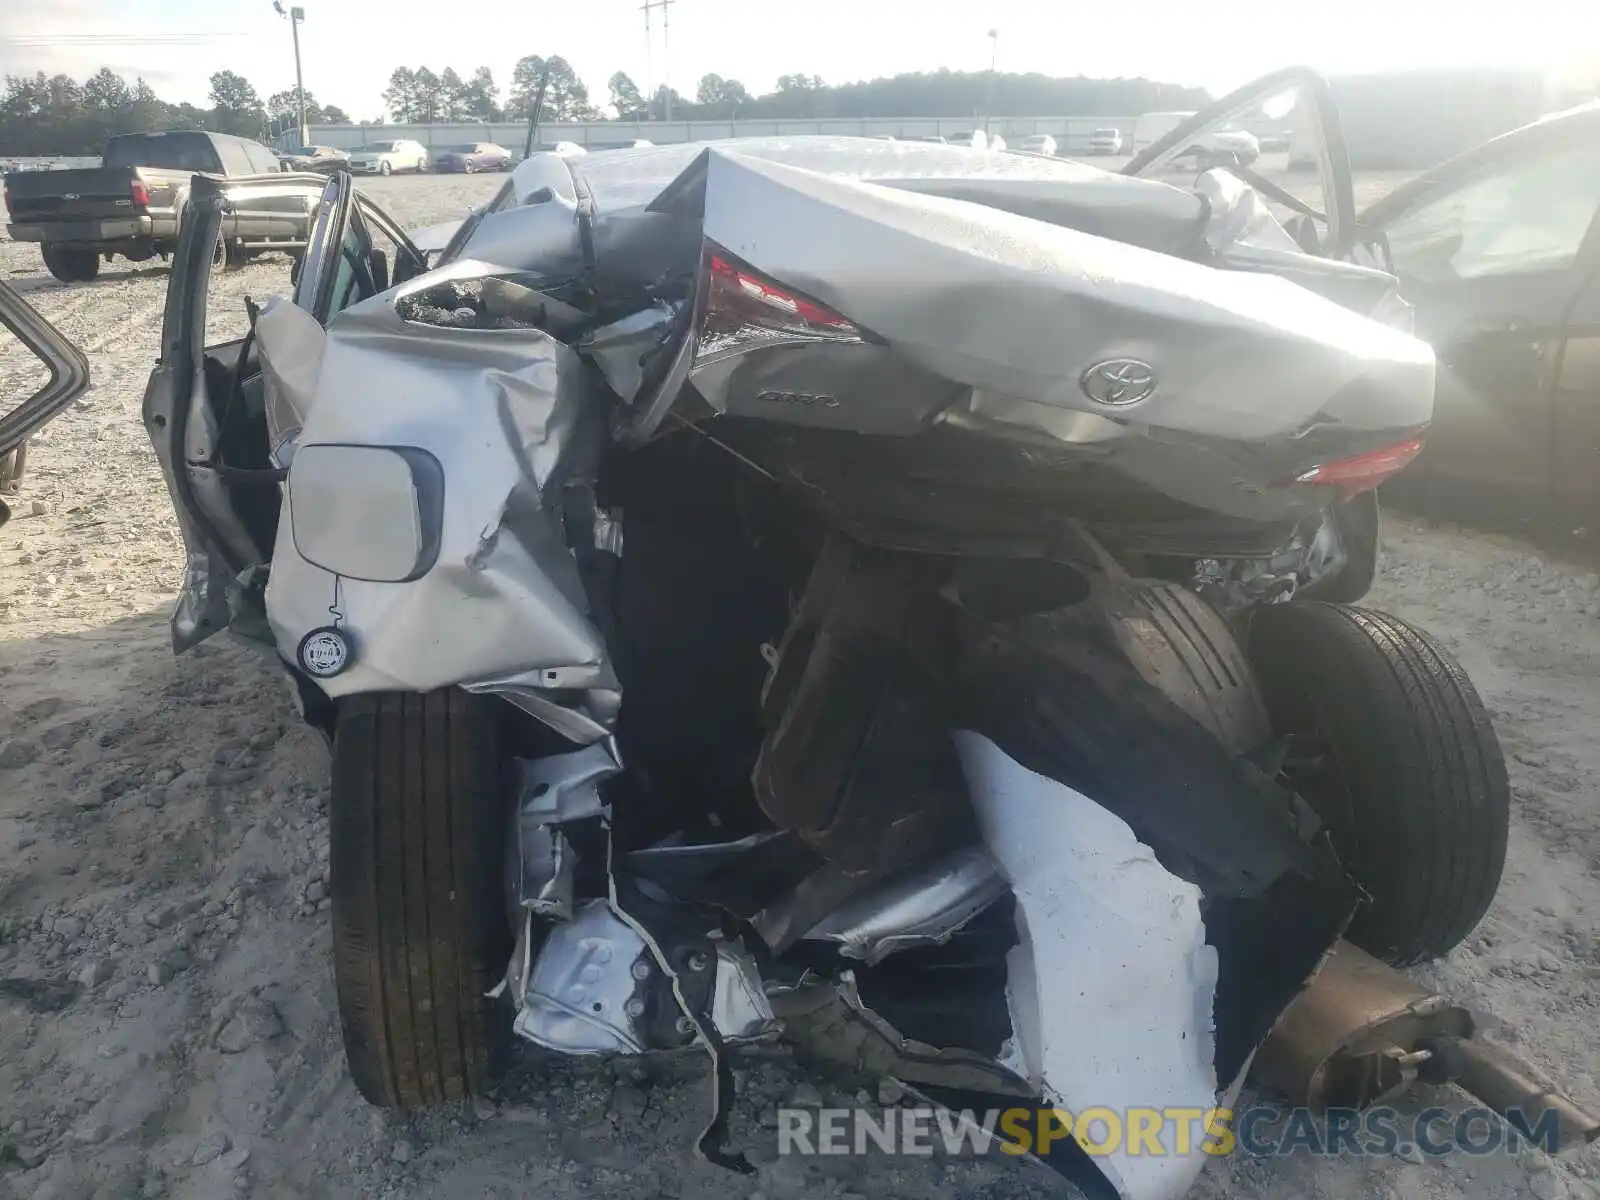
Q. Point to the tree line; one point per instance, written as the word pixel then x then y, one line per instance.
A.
pixel 418 96
pixel 42 114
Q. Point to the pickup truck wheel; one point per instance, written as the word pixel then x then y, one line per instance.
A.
pixel 71 264
pixel 11 464
pixel 1391 745
pixel 419 918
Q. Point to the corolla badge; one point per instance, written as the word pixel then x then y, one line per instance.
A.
pixel 1119 381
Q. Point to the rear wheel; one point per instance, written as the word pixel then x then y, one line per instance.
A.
pixel 1392 746
pixel 71 264
pixel 419 924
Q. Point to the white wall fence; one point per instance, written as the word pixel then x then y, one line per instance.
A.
pixel 1071 133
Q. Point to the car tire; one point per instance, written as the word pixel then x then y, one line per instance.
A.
pixel 420 931
pixel 383 167
pixel 71 264
pixel 1357 521
pixel 1391 745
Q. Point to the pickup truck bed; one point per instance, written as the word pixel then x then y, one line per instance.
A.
pixel 133 205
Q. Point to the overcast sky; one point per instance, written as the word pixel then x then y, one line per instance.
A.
pixel 350 46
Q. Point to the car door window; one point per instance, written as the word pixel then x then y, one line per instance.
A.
pixel 1514 218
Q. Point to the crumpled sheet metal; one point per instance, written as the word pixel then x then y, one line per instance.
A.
pixel 575 1000
pixel 1112 984
pixel 924 908
pixel 503 412
pixel 739 1006
pixel 1023 308
pixel 290 345
pixel 552 791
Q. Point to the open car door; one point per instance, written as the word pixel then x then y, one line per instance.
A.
pixel 1326 228
pixel 205 408
pixel 65 377
pixel 1498 250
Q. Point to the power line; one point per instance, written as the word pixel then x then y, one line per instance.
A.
pixel 666 51
pixel 115 39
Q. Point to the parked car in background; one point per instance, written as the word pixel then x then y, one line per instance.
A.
pixel 1039 143
pixel 1498 251
pixel 1105 141
pixel 471 157
pixel 564 149
pixel 1225 145
pixel 385 158
pixel 313 158
pixel 132 204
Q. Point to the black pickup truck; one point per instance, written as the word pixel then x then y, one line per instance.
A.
pixel 133 202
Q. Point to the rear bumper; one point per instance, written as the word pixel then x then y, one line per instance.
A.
pixel 111 230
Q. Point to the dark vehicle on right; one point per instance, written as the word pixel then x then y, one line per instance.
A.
pixel 132 203
pixel 470 157
pixel 1498 249
pixel 313 158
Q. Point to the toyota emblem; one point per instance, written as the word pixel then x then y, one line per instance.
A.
pixel 1118 382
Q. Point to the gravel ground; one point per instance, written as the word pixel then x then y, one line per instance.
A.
pixel 163 875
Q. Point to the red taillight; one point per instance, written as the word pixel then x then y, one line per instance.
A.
pixel 1352 476
pixel 141 194
pixel 736 289
pixel 746 311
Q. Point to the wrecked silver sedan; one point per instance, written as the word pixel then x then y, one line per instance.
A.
pixel 871 593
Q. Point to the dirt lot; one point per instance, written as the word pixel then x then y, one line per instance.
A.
pixel 163 876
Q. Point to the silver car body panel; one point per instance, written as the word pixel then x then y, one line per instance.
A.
pixel 924 908
pixel 1112 984
pixel 500 410
pixel 1023 308
pixel 1011 310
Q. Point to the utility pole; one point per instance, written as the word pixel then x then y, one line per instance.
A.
pixel 296 15
pixel 994 59
pixel 666 51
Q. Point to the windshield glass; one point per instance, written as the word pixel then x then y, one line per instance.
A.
pixel 379 147
pixel 457 150
pixel 1105 133
pixel 174 151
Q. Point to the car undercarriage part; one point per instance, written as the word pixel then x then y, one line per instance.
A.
pixel 1363 1032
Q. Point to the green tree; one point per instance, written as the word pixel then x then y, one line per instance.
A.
pixel 565 99
pixel 480 97
pixel 401 97
pixel 236 107
pixel 719 97
pixel 626 97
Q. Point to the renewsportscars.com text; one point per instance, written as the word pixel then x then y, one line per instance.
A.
pixel 1259 1131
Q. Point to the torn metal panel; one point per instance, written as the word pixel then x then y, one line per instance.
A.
pixel 739 1006
pixel 829 1019
pixel 620 349
pixel 565 787
pixel 289 346
pixel 1113 981
pixel 580 992
pixel 506 415
pixel 925 907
